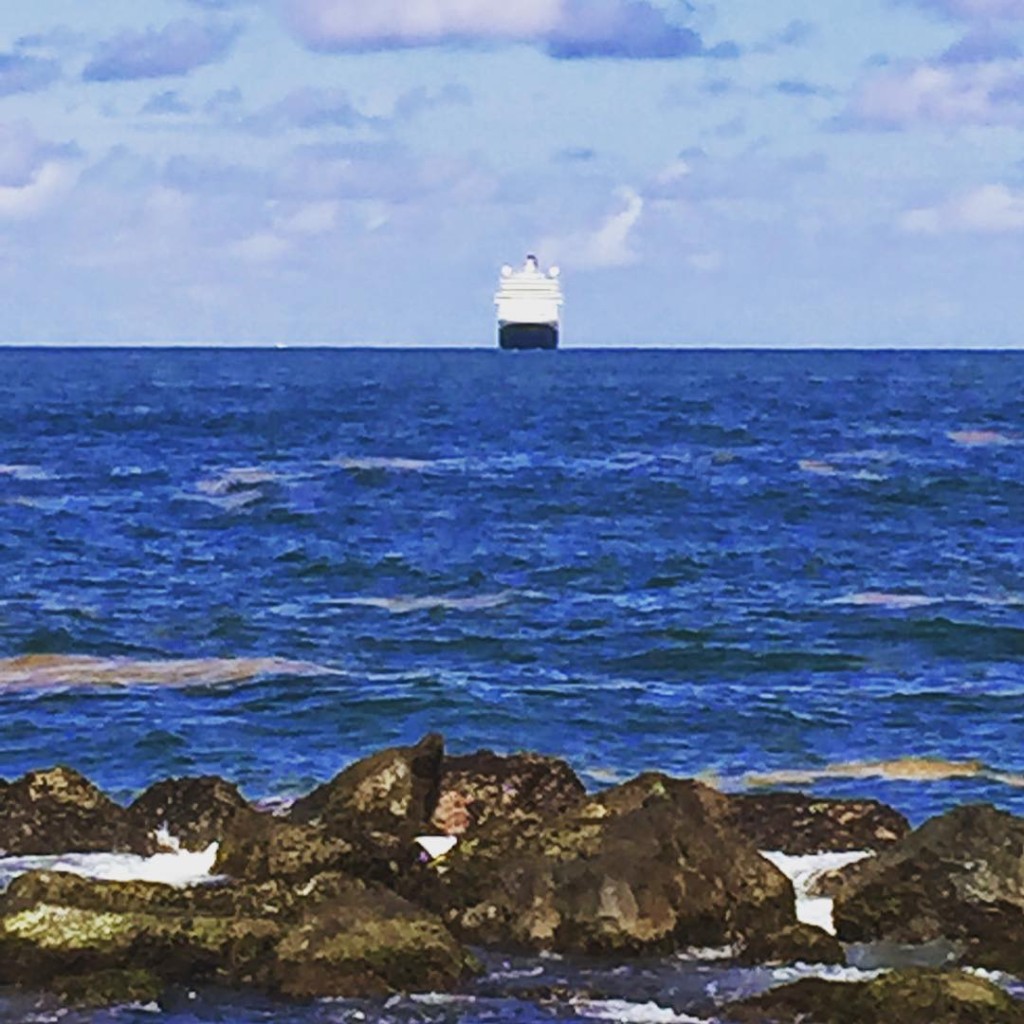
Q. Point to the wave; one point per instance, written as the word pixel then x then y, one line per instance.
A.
pixel 980 438
pixel 378 463
pixel 913 599
pixel 820 467
pixel 42 671
pixel 403 604
pixel 22 471
pixel 900 769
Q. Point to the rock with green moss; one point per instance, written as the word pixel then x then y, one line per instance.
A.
pixel 907 997
pixel 331 936
pixel 194 811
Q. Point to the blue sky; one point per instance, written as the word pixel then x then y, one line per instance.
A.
pixel 799 173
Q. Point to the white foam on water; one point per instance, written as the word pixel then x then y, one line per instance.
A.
pixel 239 478
pixel 178 868
pixel 403 604
pixel 980 438
pixel 22 471
pixel 884 599
pixel 626 1012
pixel 827 972
pixel 381 462
pixel 804 871
pixel 37 671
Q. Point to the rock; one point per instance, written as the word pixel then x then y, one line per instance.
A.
pixel 195 811
pixel 919 996
pixel 258 847
pixel 650 866
pixel 332 936
pixel 798 824
pixel 477 788
pixel 959 876
pixel 107 988
pixel 371 944
pixel 798 943
pixel 61 811
pixel 390 791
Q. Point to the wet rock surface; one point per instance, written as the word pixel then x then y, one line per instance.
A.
pixel 194 811
pixel 902 997
pixel 795 823
pixel 60 811
pixel 333 936
pixel 959 876
pixel 652 865
pixel 335 897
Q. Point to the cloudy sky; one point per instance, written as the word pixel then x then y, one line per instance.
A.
pixel 714 172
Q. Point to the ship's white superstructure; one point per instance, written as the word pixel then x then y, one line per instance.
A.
pixel 529 306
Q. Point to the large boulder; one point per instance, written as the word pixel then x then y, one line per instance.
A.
pixel 193 811
pixel 332 936
pixel 650 866
pixel 390 791
pixel 799 824
pixel 61 811
pixel 907 997
pixel 478 788
pixel 959 876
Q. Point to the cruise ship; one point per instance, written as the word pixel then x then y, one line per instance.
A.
pixel 529 306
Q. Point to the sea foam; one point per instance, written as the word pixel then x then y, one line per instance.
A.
pixel 177 868
pixel 805 871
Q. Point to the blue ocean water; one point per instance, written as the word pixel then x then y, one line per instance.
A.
pixel 716 563
pixel 265 564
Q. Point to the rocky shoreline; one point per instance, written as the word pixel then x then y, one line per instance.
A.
pixel 340 895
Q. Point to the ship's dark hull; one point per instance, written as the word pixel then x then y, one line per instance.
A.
pixel 523 336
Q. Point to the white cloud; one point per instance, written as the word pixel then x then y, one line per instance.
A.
pixel 984 93
pixel 262 247
pixel 990 209
pixel 608 245
pixel 355 23
pixel 567 28
pixel 310 219
pixel 51 181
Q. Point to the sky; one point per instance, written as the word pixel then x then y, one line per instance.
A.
pixel 800 173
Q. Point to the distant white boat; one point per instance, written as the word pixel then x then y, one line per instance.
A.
pixel 529 306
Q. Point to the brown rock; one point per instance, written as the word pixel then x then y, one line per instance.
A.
pixel 650 866
pixel 388 791
pixel 480 787
pixel 195 811
pixel 798 943
pixel 798 824
pixel 61 811
pixel 903 997
pixel 959 876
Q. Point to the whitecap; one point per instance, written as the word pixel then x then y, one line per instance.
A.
pixel 979 438
pixel 805 871
pixel 625 1012
pixel 827 972
pixel 23 471
pixel 236 478
pixel 178 868
pixel 403 604
pixel 373 463
pixel 885 599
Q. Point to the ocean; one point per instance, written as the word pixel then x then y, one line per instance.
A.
pixel 752 567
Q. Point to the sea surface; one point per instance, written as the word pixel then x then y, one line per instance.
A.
pixel 752 567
